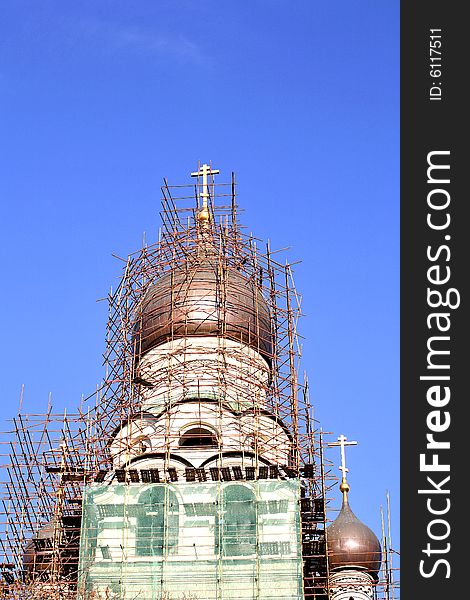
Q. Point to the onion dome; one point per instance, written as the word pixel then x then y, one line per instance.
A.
pixel 204 298
pixel 37 555
pixel 351 544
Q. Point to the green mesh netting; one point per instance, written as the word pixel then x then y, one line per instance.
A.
pixel 198 541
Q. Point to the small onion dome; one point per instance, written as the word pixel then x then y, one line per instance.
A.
pixel 37 555
pixel 351 544
pixel 199 298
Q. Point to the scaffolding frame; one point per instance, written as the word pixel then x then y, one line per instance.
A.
pixel 49 458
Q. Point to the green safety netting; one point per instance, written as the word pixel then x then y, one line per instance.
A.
pixel 198 541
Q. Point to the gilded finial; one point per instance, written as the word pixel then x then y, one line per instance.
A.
pixel 344 489
pixel 203 216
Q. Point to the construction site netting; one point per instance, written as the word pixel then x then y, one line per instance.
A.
pixel 203 541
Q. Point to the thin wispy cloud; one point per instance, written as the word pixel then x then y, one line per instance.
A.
pixel 118 38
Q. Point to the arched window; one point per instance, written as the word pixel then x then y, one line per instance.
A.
pixel 236 532
pixel 198 437
pixel 157 522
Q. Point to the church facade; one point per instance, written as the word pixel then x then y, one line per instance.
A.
pixel 200 472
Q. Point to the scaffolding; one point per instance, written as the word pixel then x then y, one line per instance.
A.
pixel 131 436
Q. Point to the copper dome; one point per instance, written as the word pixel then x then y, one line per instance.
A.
pixel 199 298
pixel 38 553
pixel 352 544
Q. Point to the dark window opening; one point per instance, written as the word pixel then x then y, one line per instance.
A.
pixel 236 533
pixel 157 522
pixel 198 438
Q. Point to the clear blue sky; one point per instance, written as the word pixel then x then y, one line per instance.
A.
pixel 101 99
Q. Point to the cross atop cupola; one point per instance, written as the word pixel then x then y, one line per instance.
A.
pixel 204 171
pixel 342 442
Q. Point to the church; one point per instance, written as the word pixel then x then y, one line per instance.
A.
pixel 196 471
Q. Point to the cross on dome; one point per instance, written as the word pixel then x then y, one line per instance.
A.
pixel 205 170
pixel 342 442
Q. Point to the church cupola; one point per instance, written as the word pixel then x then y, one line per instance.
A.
pixel 206 299
pixel 354 552
pixel 352 544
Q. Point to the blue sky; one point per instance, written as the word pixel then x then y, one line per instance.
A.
pixel 99 100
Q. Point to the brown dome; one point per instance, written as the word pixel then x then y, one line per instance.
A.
pixel 38 554
pixel 353 544
pixel 201 299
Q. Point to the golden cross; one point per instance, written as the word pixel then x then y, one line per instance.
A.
pixel 205 170
pixel 342 441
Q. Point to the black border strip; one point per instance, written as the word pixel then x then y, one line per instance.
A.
pixel 434 131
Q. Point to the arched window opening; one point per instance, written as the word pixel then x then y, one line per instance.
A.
pixel 198 437
pixel 157 522
pixel 236 532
